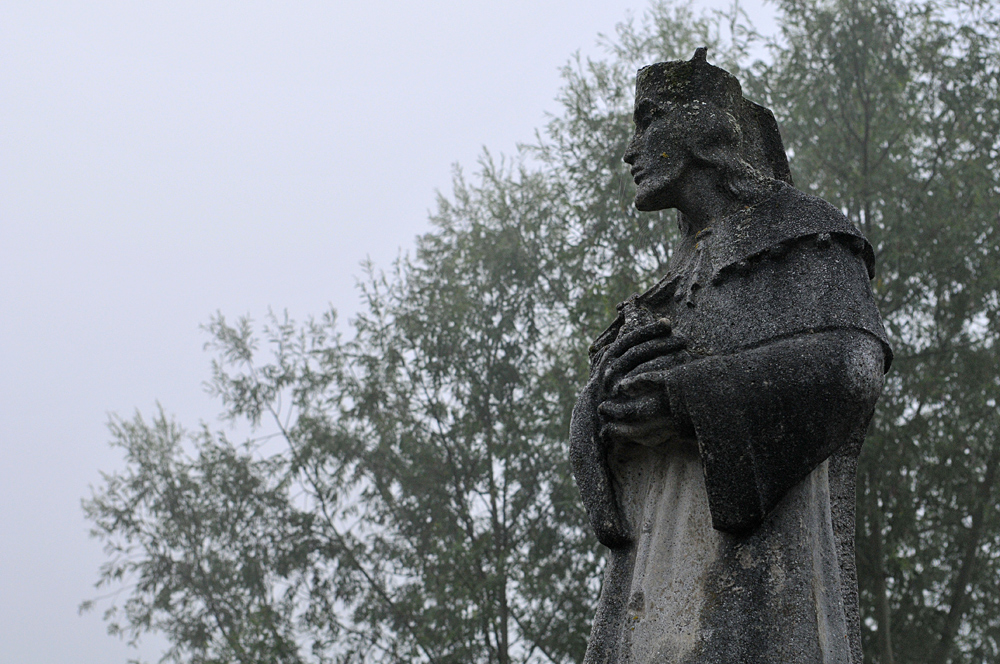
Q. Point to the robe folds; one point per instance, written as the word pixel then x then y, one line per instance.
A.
pixel 733 543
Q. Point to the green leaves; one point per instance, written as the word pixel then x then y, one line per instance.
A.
pixel 465 420
pixel 405 496
pixel 892 113
pixel 193 532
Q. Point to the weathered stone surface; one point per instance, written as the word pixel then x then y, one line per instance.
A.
pixel 715 445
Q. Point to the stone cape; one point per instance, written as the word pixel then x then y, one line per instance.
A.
pixel 736 544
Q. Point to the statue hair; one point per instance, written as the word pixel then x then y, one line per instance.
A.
pixel 719 142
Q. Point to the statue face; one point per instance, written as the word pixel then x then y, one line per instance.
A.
pixel 658 153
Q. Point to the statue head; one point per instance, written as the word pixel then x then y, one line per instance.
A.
pixel 688 114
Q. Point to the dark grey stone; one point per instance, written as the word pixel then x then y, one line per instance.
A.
pixel 716 443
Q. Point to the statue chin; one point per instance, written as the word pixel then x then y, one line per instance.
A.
pixel 651 200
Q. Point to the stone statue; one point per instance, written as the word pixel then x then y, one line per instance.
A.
pixel 715 445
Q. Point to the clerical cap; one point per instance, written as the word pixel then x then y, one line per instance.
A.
pixel 695 80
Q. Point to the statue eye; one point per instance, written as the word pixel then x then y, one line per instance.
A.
pixel 645 114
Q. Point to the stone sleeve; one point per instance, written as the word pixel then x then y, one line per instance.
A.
pixel 764 418
pixel 590 469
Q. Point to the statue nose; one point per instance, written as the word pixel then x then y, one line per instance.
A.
pixel 630 154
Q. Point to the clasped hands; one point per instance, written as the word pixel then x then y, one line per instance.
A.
pixel 632 374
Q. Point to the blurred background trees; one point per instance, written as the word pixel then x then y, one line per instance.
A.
pixel 404 494
pixel 892 112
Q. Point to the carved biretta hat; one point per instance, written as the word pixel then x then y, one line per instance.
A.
pixel 689 80
pixel 695 80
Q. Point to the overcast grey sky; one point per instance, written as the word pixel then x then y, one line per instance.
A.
pixel 160 161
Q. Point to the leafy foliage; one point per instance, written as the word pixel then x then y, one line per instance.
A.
pixel 211 541
pixel 892 112
pixel 406 495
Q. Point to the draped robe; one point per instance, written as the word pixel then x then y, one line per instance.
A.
pixel 734 543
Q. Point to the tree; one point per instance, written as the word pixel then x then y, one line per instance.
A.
pixel 461 398
pixel 406 494
pixel 892 112
pixel 424 459
pixel 211 541
pixel 422 462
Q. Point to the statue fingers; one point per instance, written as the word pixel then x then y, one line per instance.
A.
pixel 650 433
pixel 632 410
pixel 658 328
pixel 659 364
pixel 637 383
pixel 640 354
